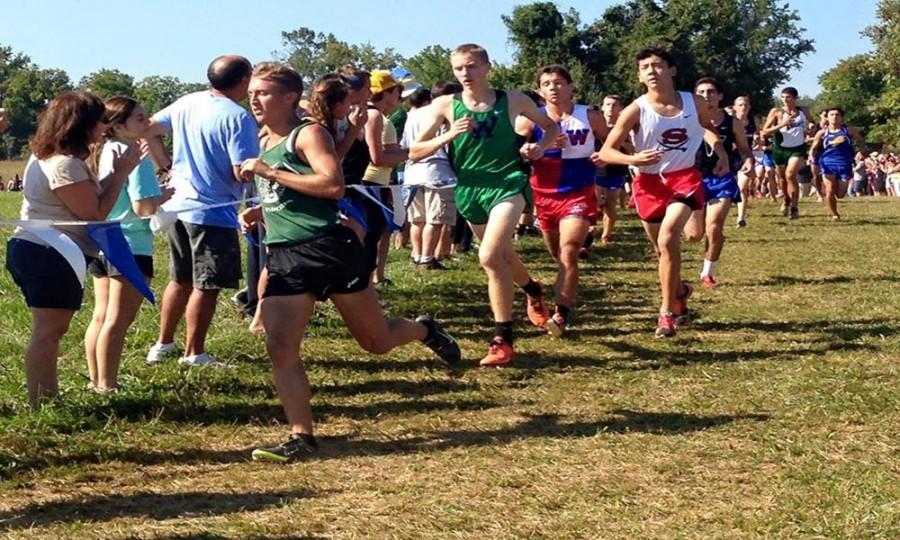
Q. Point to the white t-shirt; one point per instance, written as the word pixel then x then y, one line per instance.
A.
pixel 435 170
pixel 42 178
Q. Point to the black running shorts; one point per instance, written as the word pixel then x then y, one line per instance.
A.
pixel 333 263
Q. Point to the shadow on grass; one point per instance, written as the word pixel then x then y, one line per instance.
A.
pixel 656 359
pixel 153 506
pixel 544 426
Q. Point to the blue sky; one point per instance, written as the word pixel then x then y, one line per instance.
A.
pixel 180 37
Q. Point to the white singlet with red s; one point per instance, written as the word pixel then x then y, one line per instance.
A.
pixel 678 136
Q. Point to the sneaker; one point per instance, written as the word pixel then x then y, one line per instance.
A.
pixel 709 282
pixel 606 239
pixel 383 284
pixel 240 298
pixel 665 325
pixel 836 217
pixel 295 448
pixel 741 223
pixel 795 213
pixel 584 253
pixel 682 318
pixel 441 342
pixel 433 264
pixel 784 209
pixel 538 313
pixel 199 360
pixel 160 351
pixel 500 353
pixel 556 325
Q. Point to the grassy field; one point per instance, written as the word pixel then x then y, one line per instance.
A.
pixel 8 169
pixel 777 415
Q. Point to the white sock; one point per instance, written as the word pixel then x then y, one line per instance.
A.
pixel 423 259
pixel 416 259
pixel 709 268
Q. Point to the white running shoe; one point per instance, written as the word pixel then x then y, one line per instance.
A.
pixel 199 360
pixel 160 351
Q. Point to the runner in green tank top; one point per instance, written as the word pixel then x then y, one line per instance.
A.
pixel 312 257
pixel 493 188
pixel 290 215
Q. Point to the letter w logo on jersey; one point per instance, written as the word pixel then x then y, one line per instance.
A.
pixel 577 137
pixel 673 139
pixel 484 129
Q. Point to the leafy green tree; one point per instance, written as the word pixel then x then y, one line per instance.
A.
pixel 314 54
pixel 542 35
pixel 27 93
pixel 885 35
pixel 430 65
pixel 158 91
pixel 10 62
pixel 750 45
pixel 854 85
pixel 108 83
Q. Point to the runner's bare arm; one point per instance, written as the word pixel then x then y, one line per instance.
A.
pixel 772 125
pixel 816 142
pixel 316 146
pixel 524 127
pixel 740 140
pixel 357 121
pixel 598 125
pixel 520 104
pixel 711 137
pixel 439 114
pixel 153 135
pixel 627 123
pixel 379 154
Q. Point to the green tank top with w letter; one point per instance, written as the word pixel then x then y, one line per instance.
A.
pixel 488 155
pixel 292 216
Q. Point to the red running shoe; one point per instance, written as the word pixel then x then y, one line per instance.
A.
pixel 500 354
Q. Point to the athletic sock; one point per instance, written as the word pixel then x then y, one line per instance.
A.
pixel 563 311
pixel 416 259
pixel 709 268
pixel 505 331
pixel 532 288
pixel 423 259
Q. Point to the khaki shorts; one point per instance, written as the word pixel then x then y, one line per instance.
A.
pixel 433 206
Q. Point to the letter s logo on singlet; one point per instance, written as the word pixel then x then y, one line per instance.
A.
pixel 484 129
pixel 673 139
pixel 577 137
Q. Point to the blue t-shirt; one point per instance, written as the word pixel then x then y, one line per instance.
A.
pixel 210 133
pixel 141 184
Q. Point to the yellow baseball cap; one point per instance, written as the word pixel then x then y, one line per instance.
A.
pixel 382 80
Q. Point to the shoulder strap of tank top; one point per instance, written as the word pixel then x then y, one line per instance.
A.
pixel 290 142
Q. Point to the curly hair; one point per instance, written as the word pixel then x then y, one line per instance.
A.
pixel 65 125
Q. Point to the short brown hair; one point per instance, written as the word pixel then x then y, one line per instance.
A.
pixel 65 125
pixel 615 97
pixel 553 69
pixel 472 49
pixel 281 74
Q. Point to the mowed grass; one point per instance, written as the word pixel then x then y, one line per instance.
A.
pixel 776 415
pixel 8 169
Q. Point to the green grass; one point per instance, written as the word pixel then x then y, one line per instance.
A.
pixel 776 415
pixel 8 169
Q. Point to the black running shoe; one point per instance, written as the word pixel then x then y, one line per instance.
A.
pixel 433 264
pixel 440 341
pixel 296 448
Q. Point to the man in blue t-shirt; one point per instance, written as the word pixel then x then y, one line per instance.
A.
pixel 211 136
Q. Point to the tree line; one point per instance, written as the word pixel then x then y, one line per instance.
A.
pixel 750 45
